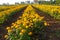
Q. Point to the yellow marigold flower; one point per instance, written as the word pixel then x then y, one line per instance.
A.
pixel 30 20
pixel 9 31
pixel 16 26
pixel 24 24
pixel 21 33
pixel 27 21
pixel 42 17
pixel 18 22
pixel 34 19
pixel 46 24
pixel 1 15
pixel 12 26
pixel 27 26
pixel 23 30
pixel 30 33
pixel 6 36
pixel 20 17
pixel 12 23
pixel 8 28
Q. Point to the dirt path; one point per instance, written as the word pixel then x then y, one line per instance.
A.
pixel 8 22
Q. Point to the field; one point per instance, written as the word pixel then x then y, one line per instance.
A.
pixel 30 22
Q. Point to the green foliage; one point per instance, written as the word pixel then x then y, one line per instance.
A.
pixel 2 18
pixel 57 1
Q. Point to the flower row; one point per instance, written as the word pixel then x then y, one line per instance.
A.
pixel 11 11
pixel 26 25
pixel 54 11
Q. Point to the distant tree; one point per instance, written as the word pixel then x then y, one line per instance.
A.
pixel 57 1
pixel 51 1
pixel 16 3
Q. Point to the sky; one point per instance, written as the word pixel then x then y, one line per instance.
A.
pixel 12 1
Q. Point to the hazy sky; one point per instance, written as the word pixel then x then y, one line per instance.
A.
pixel 11 1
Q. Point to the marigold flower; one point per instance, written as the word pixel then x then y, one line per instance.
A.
pixel 46 24
pixel 1 14
pixel 6 36
pixel 8 28
pixel 9 31
pixel 21 33
pixel 12 26
pixel 23 30
pixel 16 26
pixel 27 26
pixel 30 33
